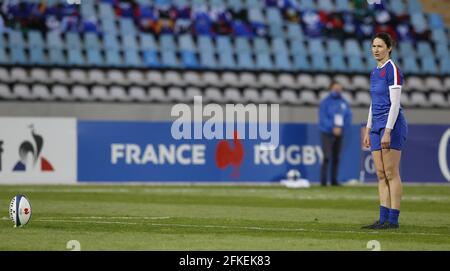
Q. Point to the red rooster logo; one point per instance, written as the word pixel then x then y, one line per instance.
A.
pixel 225 155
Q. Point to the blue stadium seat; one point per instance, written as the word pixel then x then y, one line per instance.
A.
pixel 442 50
pixel 87 9
pixel 370 64
pixel 198 3
pixel 110 42
pixel 207 60
pixel 435 21
pixel 356 64
pixel 307 4
pixel 424 49
pixel 75 57
pixel 276 30
pixel 205 43
pixel 147 42
pixel 162 3
pixel 16 39
pixel 73 40
pixel 94 57
pixel 279 46
pixel 263 61
pixel 315 47
pixel 127 27
pixel 37 56
pixel 337 63
pixel 406 49
pixel 151 58
pixel 217 3
pixel 224 44
pixel 444 67
pixel 301 62
pixel 318 62
pixel 106 11
pixel 343 5
pixel 282 62
pixel 235 4
pixel 260 45
pixel 367 48
pixel 4 58
pixel 256 16
pixel 428 65
pixel 297 47
pixel 419 22
pixel 251 4
pixel 186 43
pixel 167 43
pixel 243 45
pixel 56 56
pixel 35 39
pixel 129 42
pixel 409 65
pixel 109 25
pixel 397 7
pixel 439 36
pixel 113 58
pixel 2 41
pixel 326 5
pixel 132 58
pixel 91 41
pixel 189 60
pixel 294 31
pixel 245 61
pixel 169 59
pixel 414 6
pixel 180 3
pixel 18 55
pixel 334 47
pixel 352 48
pixel 54 40
pixel 273 16
pixel 226 60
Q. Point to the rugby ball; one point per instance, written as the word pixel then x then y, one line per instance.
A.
pixel 20 210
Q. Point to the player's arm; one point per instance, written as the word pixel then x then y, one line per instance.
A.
pixel 366 140
pixel 395 92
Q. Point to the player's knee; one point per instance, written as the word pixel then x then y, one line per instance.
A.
pixel 391 174
pixel 381 175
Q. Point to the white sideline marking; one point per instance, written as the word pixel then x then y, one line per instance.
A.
pixel 232 227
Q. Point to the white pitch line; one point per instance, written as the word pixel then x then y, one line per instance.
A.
pixel 239 227
pixel 113 217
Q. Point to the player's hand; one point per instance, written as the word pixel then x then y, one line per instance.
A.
pixel 337 131
pixel 386 139
pixel 366 140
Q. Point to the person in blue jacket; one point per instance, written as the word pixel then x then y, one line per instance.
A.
pixel 334 116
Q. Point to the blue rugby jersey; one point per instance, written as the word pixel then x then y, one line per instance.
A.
pixel 380 80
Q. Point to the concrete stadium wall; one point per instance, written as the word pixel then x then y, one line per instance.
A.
pixel 161 112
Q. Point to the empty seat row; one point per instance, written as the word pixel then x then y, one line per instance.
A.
pixel 200 79
pixel 172 94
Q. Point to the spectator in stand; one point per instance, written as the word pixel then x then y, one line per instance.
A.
pixel 312 24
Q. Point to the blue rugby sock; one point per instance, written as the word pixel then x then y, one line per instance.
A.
pixel 384 214
pixel 393 216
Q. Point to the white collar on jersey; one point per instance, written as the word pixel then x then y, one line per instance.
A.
pixel 387 61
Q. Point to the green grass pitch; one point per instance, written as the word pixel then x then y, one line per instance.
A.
pixel 222 217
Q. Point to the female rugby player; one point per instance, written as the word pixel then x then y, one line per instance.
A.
pixel 386 131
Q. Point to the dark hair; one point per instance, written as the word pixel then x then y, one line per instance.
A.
pixel 334 83
pixel 388 40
